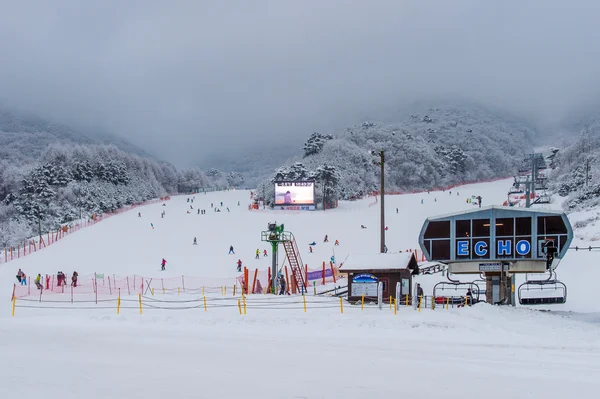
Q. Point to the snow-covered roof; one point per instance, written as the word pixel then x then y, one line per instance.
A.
pixel 498 208
pixel 377 261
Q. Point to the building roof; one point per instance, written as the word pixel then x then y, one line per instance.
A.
pixel 497 208
pixel 356 262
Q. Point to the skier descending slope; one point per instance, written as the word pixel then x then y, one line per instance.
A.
pixel 163 264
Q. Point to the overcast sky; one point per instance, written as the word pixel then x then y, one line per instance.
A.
pixel 189 79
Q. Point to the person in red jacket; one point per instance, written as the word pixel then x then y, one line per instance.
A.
pixel 163 264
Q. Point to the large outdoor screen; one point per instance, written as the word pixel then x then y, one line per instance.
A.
pixel 294 193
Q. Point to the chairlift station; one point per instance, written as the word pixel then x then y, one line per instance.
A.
pixel 497 243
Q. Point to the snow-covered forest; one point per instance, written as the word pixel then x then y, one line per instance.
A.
pixel 442 146
pixel 52 175
pixel 577 166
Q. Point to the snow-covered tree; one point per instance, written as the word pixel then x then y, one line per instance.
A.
pixel 315 143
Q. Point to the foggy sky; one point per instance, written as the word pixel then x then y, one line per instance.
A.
pixel 188 79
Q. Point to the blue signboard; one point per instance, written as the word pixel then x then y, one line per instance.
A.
pixel 364 278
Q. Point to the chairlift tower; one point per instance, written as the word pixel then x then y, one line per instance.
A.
pixel 275 235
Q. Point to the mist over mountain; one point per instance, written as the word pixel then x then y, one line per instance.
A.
pixel 216 77
pixel 24 136
pixel 434 148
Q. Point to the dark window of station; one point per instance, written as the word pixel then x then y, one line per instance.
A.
pixel 439 229
pixel 551 225
pixel 481 228
pixel 427 246
pixel 480 248
pixel 505 227
pixel 463 228
pixel 440 249
pixel 523 226
pixel 562 240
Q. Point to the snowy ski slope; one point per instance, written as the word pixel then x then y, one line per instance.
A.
pixel 276 350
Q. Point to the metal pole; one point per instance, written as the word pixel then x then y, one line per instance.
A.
pixel 275 247
pixel 382 184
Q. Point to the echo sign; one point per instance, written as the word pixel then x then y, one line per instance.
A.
pixel 503 248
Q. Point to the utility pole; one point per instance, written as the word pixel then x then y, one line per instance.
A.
pixel 382 184
pixel 381 163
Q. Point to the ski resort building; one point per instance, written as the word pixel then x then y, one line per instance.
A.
pixel 365 271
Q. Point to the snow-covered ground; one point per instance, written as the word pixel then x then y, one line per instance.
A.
pixel 276 350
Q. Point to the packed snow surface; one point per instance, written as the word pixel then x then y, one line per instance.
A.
pixel 179 348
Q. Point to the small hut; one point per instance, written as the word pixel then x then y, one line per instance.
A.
pixel 365 271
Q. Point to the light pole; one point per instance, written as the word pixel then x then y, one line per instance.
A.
pixel 381 163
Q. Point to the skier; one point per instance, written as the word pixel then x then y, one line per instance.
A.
pixel 37 280
pixel 336 242
pixel 282 285
pixel 310 249
pixel 385 248
pixel 152 225
pixel 19 275
pixel 450 192
pixel 211 204
pixel 139 214
pixel 195 241
pixel 362 226
pixel 227 209
pixel 421 200
pixel 239 265
pixel 435 199
pixel 221 203
pixel 396 210
pixel 265 253
pixel 332 259
pixel 326 238
pixel 188 200
pixel 238 203
pixel 231 251
pixel 257 253
pixel 163 264
pixel 59 279
pixel 23 279
pixel 198 211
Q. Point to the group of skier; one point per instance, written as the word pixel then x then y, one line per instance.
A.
pixel 61 279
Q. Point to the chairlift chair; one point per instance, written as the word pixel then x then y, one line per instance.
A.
pixel 457 299
pixel 556 290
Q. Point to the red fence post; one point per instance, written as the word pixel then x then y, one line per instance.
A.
pixel 254 282
pixel 323 282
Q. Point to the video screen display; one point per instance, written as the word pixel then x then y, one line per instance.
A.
pixel 295 193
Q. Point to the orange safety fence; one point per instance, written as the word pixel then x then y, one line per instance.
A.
pixel 104 285
pixel 33 245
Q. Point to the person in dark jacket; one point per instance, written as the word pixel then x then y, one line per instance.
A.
pixel 469 297
pixel 282 285
pixel 419 292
